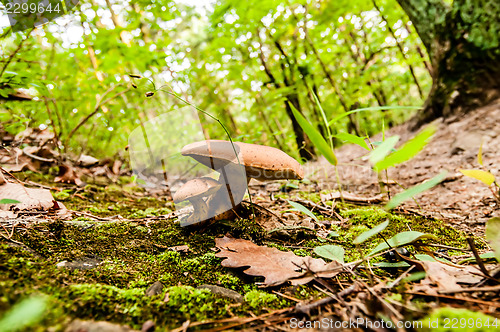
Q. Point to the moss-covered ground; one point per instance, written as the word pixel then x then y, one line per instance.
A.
pixel 135 248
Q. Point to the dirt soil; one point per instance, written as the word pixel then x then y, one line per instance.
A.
pixel 459 200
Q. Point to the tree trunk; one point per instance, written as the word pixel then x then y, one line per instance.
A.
pixel 463 45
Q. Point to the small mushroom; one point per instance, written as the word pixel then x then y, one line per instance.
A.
pixel 238 163
pixel 194 191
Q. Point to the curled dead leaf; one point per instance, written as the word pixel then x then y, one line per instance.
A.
pixel 446 277
pixel 68 175
pixel 29 198
pixel 277 267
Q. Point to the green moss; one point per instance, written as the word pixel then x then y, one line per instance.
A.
pixel 453 319
pixel 61 195
pixel 149 212
pixel 302 252
pixel 362 219
pixel 258 299
pixel 228 281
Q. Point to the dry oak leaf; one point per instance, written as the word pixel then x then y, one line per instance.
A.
pixel 29 198
pixel 447 277
pixel 275 266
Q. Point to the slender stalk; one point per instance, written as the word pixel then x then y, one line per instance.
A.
pixel 479 261
pixel 11 57
pixel 98 106
pixel 51 118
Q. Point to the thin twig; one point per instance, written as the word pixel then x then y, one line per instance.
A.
pixel 47 160
pixel 479 261
pixel 11 57
pixel 97 107
pixel 304 309
pixel 91 216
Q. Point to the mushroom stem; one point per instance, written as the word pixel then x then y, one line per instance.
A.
pixel 200 212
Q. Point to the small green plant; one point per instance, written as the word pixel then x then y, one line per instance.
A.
pixel 301 208
pixel 385 156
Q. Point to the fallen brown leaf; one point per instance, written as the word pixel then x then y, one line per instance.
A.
pixel 14 160
pixel 275 266
pixel 68 175
pixel 446 277
pixel 29 198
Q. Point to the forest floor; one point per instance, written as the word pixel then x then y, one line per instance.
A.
pixel 461 201
pixel 111 256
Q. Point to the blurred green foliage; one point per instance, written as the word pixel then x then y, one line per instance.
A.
pixel 237 60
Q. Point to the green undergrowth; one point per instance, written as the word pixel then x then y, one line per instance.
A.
pixel 133 254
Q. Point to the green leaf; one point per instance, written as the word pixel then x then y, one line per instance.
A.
pixel 371 232
pixel 331 252
pixel 425 258
pixel 391 264
pixel 490 255
pixel 5 93
pixel 353 139
pixel 484 176
pixel 23 314
pixel 408 150
pixel 318 140
pixel 400 240
pixel 383 149
pixel 415 276
pixel 333 234
pixel 301 208
pixel 493 235
pixel 419 188
pixel 290 185
pixel 9 201
pixel 429 258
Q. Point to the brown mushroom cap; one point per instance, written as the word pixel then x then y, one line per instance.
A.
pixel 196 188
pixel 261 162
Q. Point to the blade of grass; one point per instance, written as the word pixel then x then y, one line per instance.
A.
pixel 301 208
pixel 318 140
pixel 381 151
pixel 353 139
pixel 371 232
pixel 409 193
pixel 484 176
pixel 407 151
pixel 329 133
